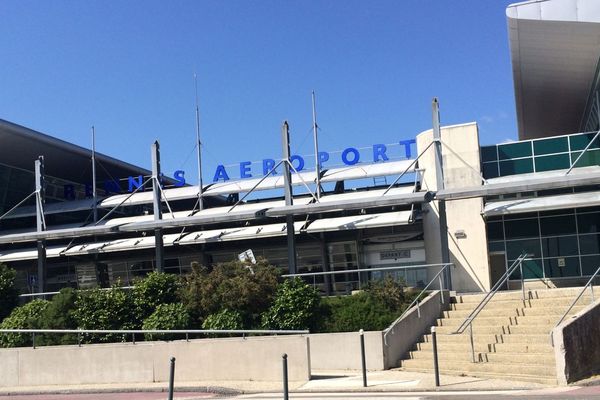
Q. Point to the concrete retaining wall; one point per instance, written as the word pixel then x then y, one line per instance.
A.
pixel 409 330
pixel 577 345
pixel 342 351
pixel 255 358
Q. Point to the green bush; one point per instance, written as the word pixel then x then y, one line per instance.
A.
pixel 296 306
pixel 167 316
pixel 24 317
pixel 246 288
pixel 8 292
pixel 224 320
pixel 59 315
pixel 105 309
pixel 155 289
pixel 388 292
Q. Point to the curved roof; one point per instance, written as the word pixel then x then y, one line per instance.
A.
pixel 555 47
pixel 21 146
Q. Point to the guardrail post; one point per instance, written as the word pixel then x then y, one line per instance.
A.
pixel 522 281
pixel 133 338
pixel 172 378
pixel 436 369
pixel 472 344
pixel 33 339
pixel 363 358
pixel 285 377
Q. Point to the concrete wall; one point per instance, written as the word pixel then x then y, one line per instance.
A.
pixel 255 358
pixel 577 345
pixel 409 330
pixel 341 351
pixel 469 254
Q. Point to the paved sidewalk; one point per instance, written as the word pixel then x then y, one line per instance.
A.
pixel 322 381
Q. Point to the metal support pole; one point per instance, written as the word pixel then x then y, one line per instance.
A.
pixel 439 173
pixel 199 144
pixel 363 359
pixel 286 395
pixel 441 288
pixel 472 343
pixel 522 281
pixel 287 179
pixel 133 338
pixel 33 339
pixel 317 163
pixel 40 189
pixel 94 189
pixel 158 238
pixel 436 368
pixel 171 378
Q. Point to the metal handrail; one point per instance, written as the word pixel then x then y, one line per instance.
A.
pixel 589 283
pixel 133 332
pixel 469 320
pixel 437 276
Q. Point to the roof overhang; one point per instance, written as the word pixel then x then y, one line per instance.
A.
pixel 555 46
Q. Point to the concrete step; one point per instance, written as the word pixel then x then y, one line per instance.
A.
pixel 503 358
pixel 466 367
pixel 488 347
pixel 502 321
pixel 509 311
pixel 545 328
pixel 571 293
pixel 482 374
pixel 561 303
pixel 477 329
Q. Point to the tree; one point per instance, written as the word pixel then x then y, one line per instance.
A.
pixel 24 317
pixel 296 306
pixel 9 296
pixel 237 286
pixel 60 314
pixel 224 320
pixel 105 309
pixel 155 289
pixel 167 316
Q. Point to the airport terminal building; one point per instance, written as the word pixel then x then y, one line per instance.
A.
pixel 477 207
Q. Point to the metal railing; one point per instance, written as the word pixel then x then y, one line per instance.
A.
pixel 44 294
pixel 441 278
pixel 133 332
pixel 468 322
pixel 583 289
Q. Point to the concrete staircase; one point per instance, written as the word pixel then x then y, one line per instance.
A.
pixel 511 336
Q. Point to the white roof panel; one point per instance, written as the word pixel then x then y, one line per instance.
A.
pixel 520 206
pixel 360 222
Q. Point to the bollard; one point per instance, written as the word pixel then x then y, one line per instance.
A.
pixel 285 378
pixel 435 357
pixel 363 357
pixel 172 378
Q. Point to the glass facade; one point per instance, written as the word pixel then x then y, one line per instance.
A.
pixel 561 243
pixel 538 155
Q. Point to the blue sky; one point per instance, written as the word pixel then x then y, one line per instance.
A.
pixel 127 67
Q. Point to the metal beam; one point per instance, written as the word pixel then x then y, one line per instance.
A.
pixel 158 236
pixel 528 185
pixel 289 200
pixel 373 202
pixel 66 233
pixel 40 197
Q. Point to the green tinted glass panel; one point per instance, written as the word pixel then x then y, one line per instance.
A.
pixel 550 146
pixel 589 265
pixel 495 231
pixel 589 244
pixel 590 157
pixel 549 163
pixel 560 246
pixel 513 167
pixel 564 225
pixel 531 269
pixel 588 223
pixel 490 170
pixel 527 228
pixel 561 267
pixel 578 142
pixel 514 248
pixel 488 153
pixel 496 246
pixel 514 150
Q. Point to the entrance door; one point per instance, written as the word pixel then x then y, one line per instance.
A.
pixel 497 266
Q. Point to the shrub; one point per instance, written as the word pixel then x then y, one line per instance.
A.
pixel 167 316
pixel 359 311
pixel 155 289
pixel 105 309
pixel 243 287
pixel 224 320
pixel 23 317
pixel 59 315
pixel 388 292
pixel 296 306
pixel 8 292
